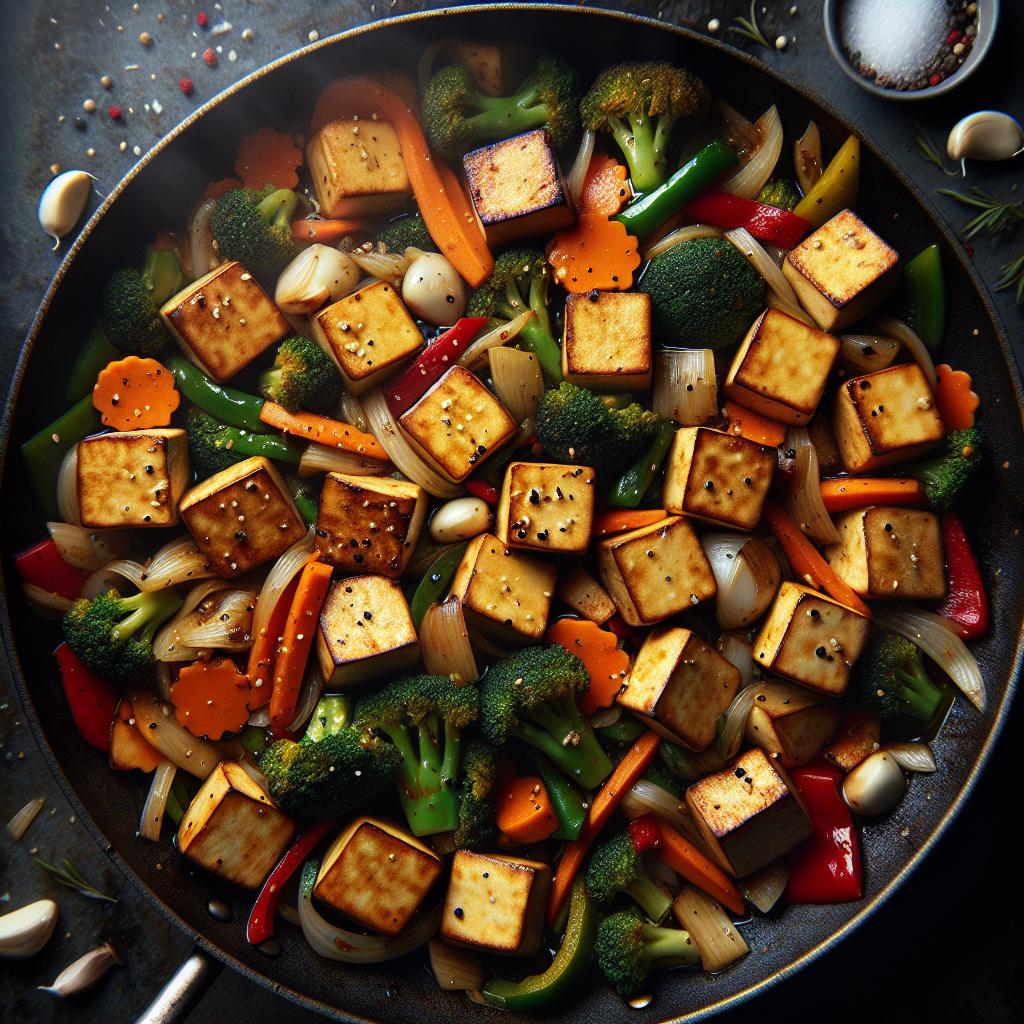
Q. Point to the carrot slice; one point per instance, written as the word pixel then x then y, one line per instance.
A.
pixel 684 858
pixel 956 401
pixel 605 187
pixel 134 393
pixel 268 157
pixel 607 664
pixel 525 813
pixel 633 764
pixel 323 430
pixel 218 188
pixel 857 491
pixel 618 520
pixel 263 652
pixel 211 698
pixel 594 253
pixel 753 426
pixel 327 232
pixel 129 749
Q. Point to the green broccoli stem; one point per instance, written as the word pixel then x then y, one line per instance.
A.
pixel 279 207
pixel 919 697
pixel 162 274
pixel 648 897
pixel 536 336
pixel 639 141
pixel 562 733
pixel 673 944
pixel 501 116
pixel 147 612
pixel 425 781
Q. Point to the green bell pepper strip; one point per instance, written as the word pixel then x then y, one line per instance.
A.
pixel 625 730
pixel 699 173
pixel 253 739
pixel 235 408
pixel 92 357
pixel 924 296
pixel 435 581
pixel 567 970
pixel 245 442
pixel 630 488
pixel 308 508
pixel 564 797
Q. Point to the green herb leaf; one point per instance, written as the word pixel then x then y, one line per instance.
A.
pixel 1012 275
pixel 71 877
pixel 750 29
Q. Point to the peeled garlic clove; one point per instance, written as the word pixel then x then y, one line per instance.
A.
pixel 875 786
pixel 460 519
pixel 985 135
pixel 433 290
pixel 318 275
pixel 62 203
pixel 84 972
pixel 24 932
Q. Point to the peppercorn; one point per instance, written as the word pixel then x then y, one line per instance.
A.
pixel 210 57
pixel 185 85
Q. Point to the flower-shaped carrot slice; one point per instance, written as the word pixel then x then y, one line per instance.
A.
pixel 953 395
pixel 605 187
pixel 134 393
pixel 212 698
pixel 594 253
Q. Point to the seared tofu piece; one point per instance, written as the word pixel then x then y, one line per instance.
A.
pixel 859 735
pixel 132 478
pixel 841 272
pixel 546 507
pixel 242 516
pixel 656 571
pixel 886 417
pixel 790 723
pixel 377 874
pixel 506 594
pixel 811 639
pixel 369 523
pixel 584 595
pixel 718 477
pixel 781 368
pixel 457 424
pixel 224 320
pixel 517 189
pixel 369 335
pixel 233 828
pixel 890 553
pixel 357 168
pixel 365 632
pixel 497 68
pixel 679 686
pixel 749 813
pixel 606 343
pixel 496 904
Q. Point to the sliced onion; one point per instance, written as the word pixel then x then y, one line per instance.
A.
pixel 384 266
pixel 500 335
pixel 736 721
pixel 747 573
pixel 803 495
pixel 867 352
pixel 101 582
pixel 351 410
pixel 646 797
pixel 283 571
pixel 765 888
pixel 712 930
pixel 807 158
pixel 758 166
pixel 312 687
pixel 518 381
pixel 200 233
pixel 912 757
pixel 317 275
pixel 782 295
pixel 155 720
pixel 45 603
pixel 455 970
pixel 178 561
pixel 605 717
pixel 685 387
pixel 19 823
pixel 909 339
pixel 739 653
pixel 322 458
pixel 580 166
pixel 425 66
pixel 163 679
pixel 74 543
pixel 679 235
pixel 167 645
pixel 739 134
pixel 67 488
pixel 156 801
pixel 223 623
pixel 444 642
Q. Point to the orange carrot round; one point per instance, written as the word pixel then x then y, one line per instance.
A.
pixel 268 157
pixel 211 698
pixel 606 663
pixel 134 393
pixel 594 253
pixel 218 188
pixel 525 813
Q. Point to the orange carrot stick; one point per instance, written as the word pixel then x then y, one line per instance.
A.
pixel 263 652
pixel 684 858
pixel 857 491
pixel 618 520
pixel 327 232
pixel 323 430
pixel 606 662
pixel 753 426
pixel 525 813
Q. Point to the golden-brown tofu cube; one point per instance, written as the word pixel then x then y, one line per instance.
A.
pixel 497 68
pixel 679 686
pixel 242 516
pixel 496 904
pixel 517 189
pixel 606 343
pixel 811 639
pixel 749 813
pixel 791 723
pixel 369 523
pixel 781 368
pixel 656 571
pixel 546 507
pixel 377 874
pixel 859 735
pixel 369 335
pixel 718 477
pixel 890 553
pixel 841 271
pixel 584 595
pixel 457 424
pixel 506 594
pixel 365 632
pixel 224 320
pixel 233 828
pixel 357 168
pixel 886 417
pixel 132 478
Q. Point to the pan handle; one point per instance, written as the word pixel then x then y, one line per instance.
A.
pixel 182 990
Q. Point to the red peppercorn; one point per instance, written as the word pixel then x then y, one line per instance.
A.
pixel 185 85
pixel 934 79
pixel 953 37
pixel 115 113
pixel 210 57
pixel 201 19
pixel 969 249
pixel 645 833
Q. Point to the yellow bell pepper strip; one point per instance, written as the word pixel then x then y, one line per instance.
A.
pixel 836 189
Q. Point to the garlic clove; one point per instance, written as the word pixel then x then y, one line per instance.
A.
pixel 460 519
pixel 875 786
pixel 317 275
pixel 985 135
pixel 433 290
pixel 62 203
pixel 25 931
pixel 84 972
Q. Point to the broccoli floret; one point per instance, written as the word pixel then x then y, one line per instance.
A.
pixel 457 117
pixel 113 635
pixel 332 771
pixel 615 866
pixel 207 453
pixel 628 947
pixel 405 231
pixel 638 104
pixel 478 818
pixel 302 377
pixel 423 717
pixel 255 228
pixel 891 680
pixel 130 306
pixel 703 293
pixel 945 475
pixel 574 425
pixel 531 696
pixel 779 192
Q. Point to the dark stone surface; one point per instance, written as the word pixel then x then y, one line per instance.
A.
pixel 946 947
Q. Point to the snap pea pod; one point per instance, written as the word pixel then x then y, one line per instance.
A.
pixel 235 408
pixel 565 799
pixel 924 296
pixel 308 508
pixel 92 357
pixel 435 581
pixel 630 488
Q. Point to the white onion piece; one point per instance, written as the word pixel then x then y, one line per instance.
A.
pixel 738 133
pixel 425 65
pixel 444 642
pixel 913 757
pixel 283 571
pixel 67 488
pixel 807 158
pixel 646 797
pixel 679 235
pixel 710 928
pixel 433 289
pixel 782 295
pixel 322 458
pixel 225 626
pixel 204 255
pixel 156 801
pixel 45 603
pixel 518 381
pixel 351 411
pixel 803 495
pixel 101 582
pixel 317 275
pixel 74 543
pixel 312 687
pixel 167 645
pixel 867 352
pixel 908 338
pixel 455 969
pixel 747 573
pixel 736 721
pixel 748 181
pixel 765 888
pixel 500 335
pixel 260 719
pixel 178 561
pixel 580 166
pixel 383 266
pixel 740 654
pixel 685 387
pixel 155 720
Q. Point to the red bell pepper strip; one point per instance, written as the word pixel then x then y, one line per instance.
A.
pixel 766 223
pixel 441 354
pixel 645 833
pixel 93 700
pixel 41 566
pixel 483 490
pixel 966 603
pixel 826 868
pixel 261 920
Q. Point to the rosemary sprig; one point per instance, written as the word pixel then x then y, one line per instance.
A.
pixel 995 216
pixel 931 154
pixel 70 876
pixel 750 29
pixel 1012 275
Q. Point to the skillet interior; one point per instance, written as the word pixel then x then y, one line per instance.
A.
pixel 167 187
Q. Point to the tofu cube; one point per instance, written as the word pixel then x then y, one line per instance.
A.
pixel 781 368
pixel 233 829
pixel 791 724
pixel 132 478
pixel 242 516
pixel 369 335
pixel 517 189
pixel 584 595
pixel 546 507
pixel 858 736
pixel 497 68
pixel 718 477
pixel 365 632
pixel 886 417
pixel 369 523
pixel 656 571
pixel 377 874
pixel 679 686
pixel 749 813
pixel 811 639
pixel 606 343
pixel 457 424
pixel 496 904
pixel 841 272
pixel 357 168
pixel 224 320
pixel 506 594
